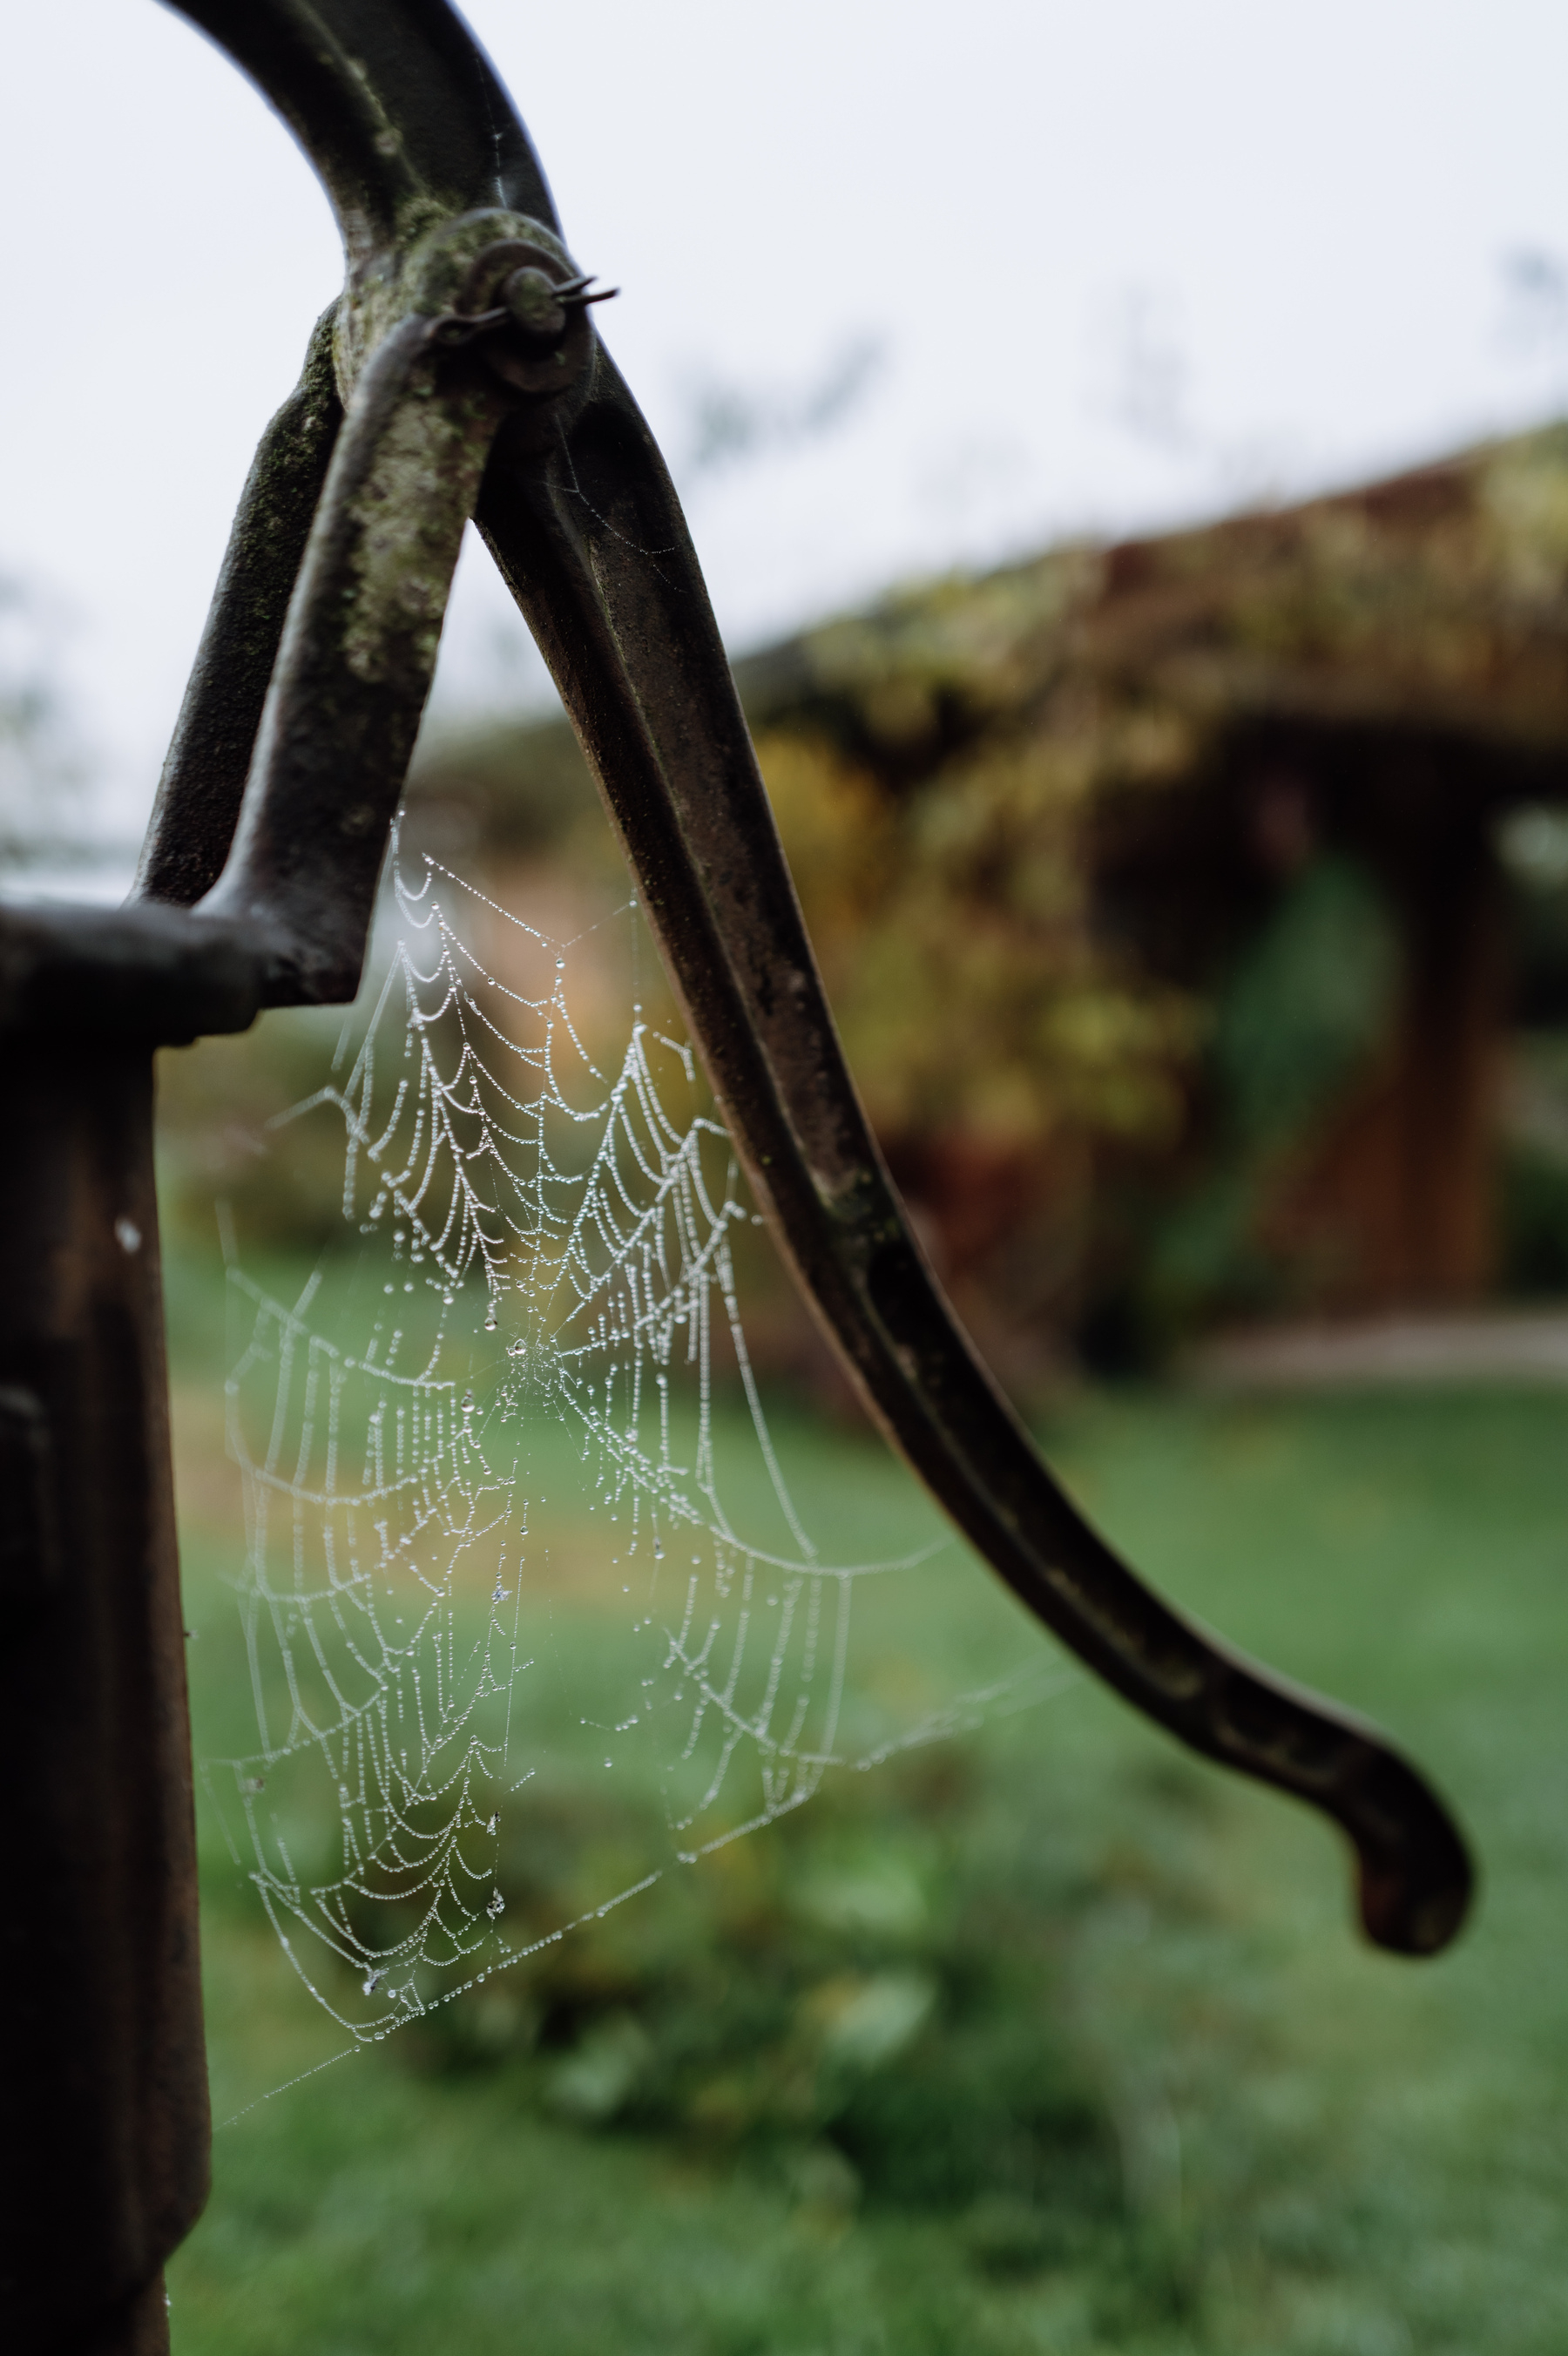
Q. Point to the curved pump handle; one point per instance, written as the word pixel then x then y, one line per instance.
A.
pixel 409 128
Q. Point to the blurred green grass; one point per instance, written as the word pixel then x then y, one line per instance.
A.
pixel 1126 2079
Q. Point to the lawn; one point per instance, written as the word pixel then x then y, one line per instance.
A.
pixel 1038 2037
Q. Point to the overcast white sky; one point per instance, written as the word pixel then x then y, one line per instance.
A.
pixel 1125 260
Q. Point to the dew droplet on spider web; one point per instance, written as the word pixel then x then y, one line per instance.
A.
pixel 435 1615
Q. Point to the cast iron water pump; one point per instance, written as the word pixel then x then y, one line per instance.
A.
pixel 459 374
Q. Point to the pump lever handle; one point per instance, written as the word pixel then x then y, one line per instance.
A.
pixel 402 117
pixel 593 542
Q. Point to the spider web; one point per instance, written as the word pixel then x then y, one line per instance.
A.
pixel 539 1326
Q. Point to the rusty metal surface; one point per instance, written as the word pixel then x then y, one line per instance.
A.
pixel 142 972
pixel 358 646
pixel 103 2154
pixel 459 373
pixel 197 805
pixel 137 2326
pixel 398 108
pixel 356 663
pixel 638 661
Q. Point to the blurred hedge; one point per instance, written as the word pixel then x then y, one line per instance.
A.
pixel 956 773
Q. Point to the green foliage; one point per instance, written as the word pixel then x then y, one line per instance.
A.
pixel 1251 2132
pixel 1086 1121
pixel 866 2002
pixel 1534 1223
pixel 951 914
pixel 1307 1010
pixel 1535 1165
pixel 1309 1005
pixel 956 773
pixel 219 1107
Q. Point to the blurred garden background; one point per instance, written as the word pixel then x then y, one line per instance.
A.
pixel 1197 911
pixel 1189 871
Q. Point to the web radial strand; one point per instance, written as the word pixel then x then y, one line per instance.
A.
pixel 523 1396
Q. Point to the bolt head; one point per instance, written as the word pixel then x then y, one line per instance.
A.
pixel 545 350
pixel 530 297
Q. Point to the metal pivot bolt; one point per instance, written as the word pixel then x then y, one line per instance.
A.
pixel 526 311
pixel 536 311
